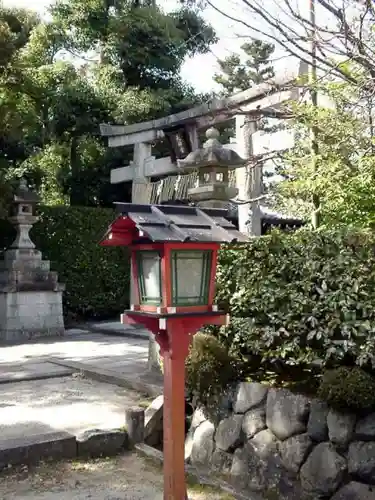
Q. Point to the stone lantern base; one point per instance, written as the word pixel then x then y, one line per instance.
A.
pixel 30 297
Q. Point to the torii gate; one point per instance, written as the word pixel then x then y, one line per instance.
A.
pixel 181 132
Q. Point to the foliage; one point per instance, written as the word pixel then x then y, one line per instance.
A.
pixel 340 30
pixel 348 388
pixel 300 301
pixel 342 173
pixel 96 278
pixel 123 66
pixel 210 370
pixel 235 76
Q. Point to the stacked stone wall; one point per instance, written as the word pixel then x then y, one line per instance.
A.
pixel 271 440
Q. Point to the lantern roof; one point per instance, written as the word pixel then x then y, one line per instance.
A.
pixel 24 195
pixel 213 153
pixel 170 224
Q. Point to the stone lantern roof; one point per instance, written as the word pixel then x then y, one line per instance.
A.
pixel 212 153
pixel 24 195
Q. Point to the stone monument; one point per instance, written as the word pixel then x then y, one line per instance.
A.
pixel 30 295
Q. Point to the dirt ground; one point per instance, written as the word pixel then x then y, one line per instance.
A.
pixel 129 477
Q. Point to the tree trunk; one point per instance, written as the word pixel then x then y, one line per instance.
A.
pixel 75 188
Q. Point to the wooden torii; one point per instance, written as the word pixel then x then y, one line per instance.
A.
pixel 181 131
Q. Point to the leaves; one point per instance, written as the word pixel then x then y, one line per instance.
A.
pixel 342 174
pixel 96 278
pixel 299 298
pixel 235 76
pixel 123 67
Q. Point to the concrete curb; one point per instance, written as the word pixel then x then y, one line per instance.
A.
pixel 33 449
pixel 30 450
pixel 44 376
pixel 157 456
pixel 117 332
pixel 107 376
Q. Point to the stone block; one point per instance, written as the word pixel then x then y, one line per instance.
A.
pixel 228 435
pixel 203 443
pixel 340 428
pixel 32 449
pixel 101 443
pixel 355 491
pixel 317 427
pixel 361 461
pixel 30 314
pixel 154 422
pixel 253 422
pixel 240 467
pixel 253 472
pixel 221 461
pixel 249 395
pixel 264 444
pixel 323 472
pixel 365 428
pixel 135 424
pixel 294 451
pixel 197 418
pixel 287 413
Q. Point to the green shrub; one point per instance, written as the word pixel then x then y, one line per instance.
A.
pixel 96 278
pixel 300 299
pixel 210 370
pixel 348 388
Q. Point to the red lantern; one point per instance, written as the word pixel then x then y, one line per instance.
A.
pixel 174 257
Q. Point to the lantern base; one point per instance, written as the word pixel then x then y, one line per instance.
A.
pixel 174 331
pixel 200 314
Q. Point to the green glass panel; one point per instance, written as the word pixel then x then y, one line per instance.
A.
pixel 149 277
pixel 191 270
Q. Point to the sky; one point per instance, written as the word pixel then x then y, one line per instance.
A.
pixel 198 71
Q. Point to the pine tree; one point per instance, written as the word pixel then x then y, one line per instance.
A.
pixel 236 75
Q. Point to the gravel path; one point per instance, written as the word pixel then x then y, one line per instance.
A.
pixel 127 477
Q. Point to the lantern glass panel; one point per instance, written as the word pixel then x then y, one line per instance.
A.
pixel 149 277
pixel 191 272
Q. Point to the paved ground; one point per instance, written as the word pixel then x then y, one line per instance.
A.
pixel 127 477
pixel 38 395
pixel 118 354
pixel 68 404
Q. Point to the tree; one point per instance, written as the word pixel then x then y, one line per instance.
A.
pixel 339 41
pixel 236 76
pixel 344 171
pixel 51 108
pixel 342 32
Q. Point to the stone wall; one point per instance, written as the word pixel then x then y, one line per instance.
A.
pixel 286 445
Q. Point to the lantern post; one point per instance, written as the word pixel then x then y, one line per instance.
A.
pixel 174 257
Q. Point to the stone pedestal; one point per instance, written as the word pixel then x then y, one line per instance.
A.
pixel 30 295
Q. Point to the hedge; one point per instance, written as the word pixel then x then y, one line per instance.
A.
pixel 96 278
pixel 300 303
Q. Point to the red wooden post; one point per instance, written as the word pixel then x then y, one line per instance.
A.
pixel 174 424
pixel 174 336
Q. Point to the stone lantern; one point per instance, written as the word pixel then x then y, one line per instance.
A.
pixel 213 162
pixel 22 217
pixel 30 294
